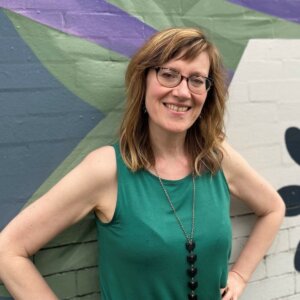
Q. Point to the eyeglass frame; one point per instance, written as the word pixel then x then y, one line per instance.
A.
pixel 208 79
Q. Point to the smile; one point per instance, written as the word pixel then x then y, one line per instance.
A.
pixel 176 107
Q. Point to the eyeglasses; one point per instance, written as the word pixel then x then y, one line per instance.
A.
pixel 170 78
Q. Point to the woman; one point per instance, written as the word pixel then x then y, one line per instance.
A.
pixel 161 195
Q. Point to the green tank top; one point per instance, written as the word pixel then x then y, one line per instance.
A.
pixel 142 251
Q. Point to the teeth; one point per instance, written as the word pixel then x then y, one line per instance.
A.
pixel 177 108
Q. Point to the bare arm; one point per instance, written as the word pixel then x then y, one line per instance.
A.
pixel 87 187
pixel 259 196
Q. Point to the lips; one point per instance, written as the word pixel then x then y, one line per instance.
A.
pixel 177 108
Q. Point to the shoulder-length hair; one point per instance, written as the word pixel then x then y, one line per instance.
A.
pixel 203 139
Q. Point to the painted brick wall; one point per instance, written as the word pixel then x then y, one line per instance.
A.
pixel 54 110
pixel 264 102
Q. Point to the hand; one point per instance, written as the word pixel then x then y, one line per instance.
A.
pixel 234 288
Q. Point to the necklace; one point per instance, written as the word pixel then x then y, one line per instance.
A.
pixel 190 244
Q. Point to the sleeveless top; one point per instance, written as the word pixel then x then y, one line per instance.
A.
pixel 142 251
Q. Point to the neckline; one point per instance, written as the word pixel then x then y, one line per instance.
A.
pixel 165 180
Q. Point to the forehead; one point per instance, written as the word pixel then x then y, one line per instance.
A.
pixel 199 64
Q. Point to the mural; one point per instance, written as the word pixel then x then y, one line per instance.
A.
pixel 291 193
pixel 61 87
pixel 285 9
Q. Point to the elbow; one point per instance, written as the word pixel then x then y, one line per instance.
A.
pixel 282 208
pixel 276 209
pixel 279 208
pixel 8 253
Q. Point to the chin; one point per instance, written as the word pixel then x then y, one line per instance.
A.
pixel 178 129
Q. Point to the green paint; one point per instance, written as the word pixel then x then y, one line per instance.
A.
pixel 87 281
pixel 93 296
pixel 96 76
pixel 83 231
pixel 81 66
pixel 3 291
pixel 230 26
pixel 103 134
pixel 63 284
pixel 66 258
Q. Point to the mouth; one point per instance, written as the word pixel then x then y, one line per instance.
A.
pixel 177 108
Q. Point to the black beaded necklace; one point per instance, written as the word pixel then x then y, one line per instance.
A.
pixel 190 244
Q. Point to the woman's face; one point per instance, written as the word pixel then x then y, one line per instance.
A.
pixel 175 109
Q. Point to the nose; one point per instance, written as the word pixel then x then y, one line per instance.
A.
pixel 182 90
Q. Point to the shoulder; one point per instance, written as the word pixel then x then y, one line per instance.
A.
pixel 229 153
pixel 101 164
pixel 101 154
pixel 236 169
pixel 231 159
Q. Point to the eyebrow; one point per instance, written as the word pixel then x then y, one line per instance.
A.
pixel 196 73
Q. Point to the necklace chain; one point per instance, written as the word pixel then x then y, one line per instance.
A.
pixel 190 244
pixel 188 237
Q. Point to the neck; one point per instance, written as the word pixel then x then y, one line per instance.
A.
pixel 167 147
pixel 171 159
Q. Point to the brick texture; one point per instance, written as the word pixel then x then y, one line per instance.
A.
pixel 264 101
pixel 262 105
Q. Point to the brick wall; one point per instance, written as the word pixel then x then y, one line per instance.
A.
pixel 61 95
pixel 264 102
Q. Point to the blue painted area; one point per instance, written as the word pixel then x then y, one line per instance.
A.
pixel 297 258
pixel 11 50
pixel 291 196
pixel 6 298
pixel 291 193
pixel 292 139
pixel 40 123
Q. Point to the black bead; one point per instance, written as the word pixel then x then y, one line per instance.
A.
pixel 193 285
pixel 191 258
pixel 192 271
pixel 190 246
pixel 193 297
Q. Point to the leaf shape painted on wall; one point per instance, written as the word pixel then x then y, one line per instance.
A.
pixel 291 193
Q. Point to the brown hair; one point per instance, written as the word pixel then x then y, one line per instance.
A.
pixel 203 139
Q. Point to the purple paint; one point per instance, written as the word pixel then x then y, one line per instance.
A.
pixel 94 20
pixel 285 9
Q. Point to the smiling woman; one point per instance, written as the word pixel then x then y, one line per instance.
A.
pixel 188 54
pixel 176 108
pixel 161 195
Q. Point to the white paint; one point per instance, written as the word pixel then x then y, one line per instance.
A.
pixel 264 101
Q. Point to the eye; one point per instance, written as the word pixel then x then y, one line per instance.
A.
pixel 168 74
pixel 197 81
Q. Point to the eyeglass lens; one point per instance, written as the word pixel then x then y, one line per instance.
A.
pixel 171 78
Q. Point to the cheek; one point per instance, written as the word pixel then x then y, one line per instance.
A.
pixel 151 90
pixel 150 102
pixel 148 99
pixel 201 101
pixel 154 96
